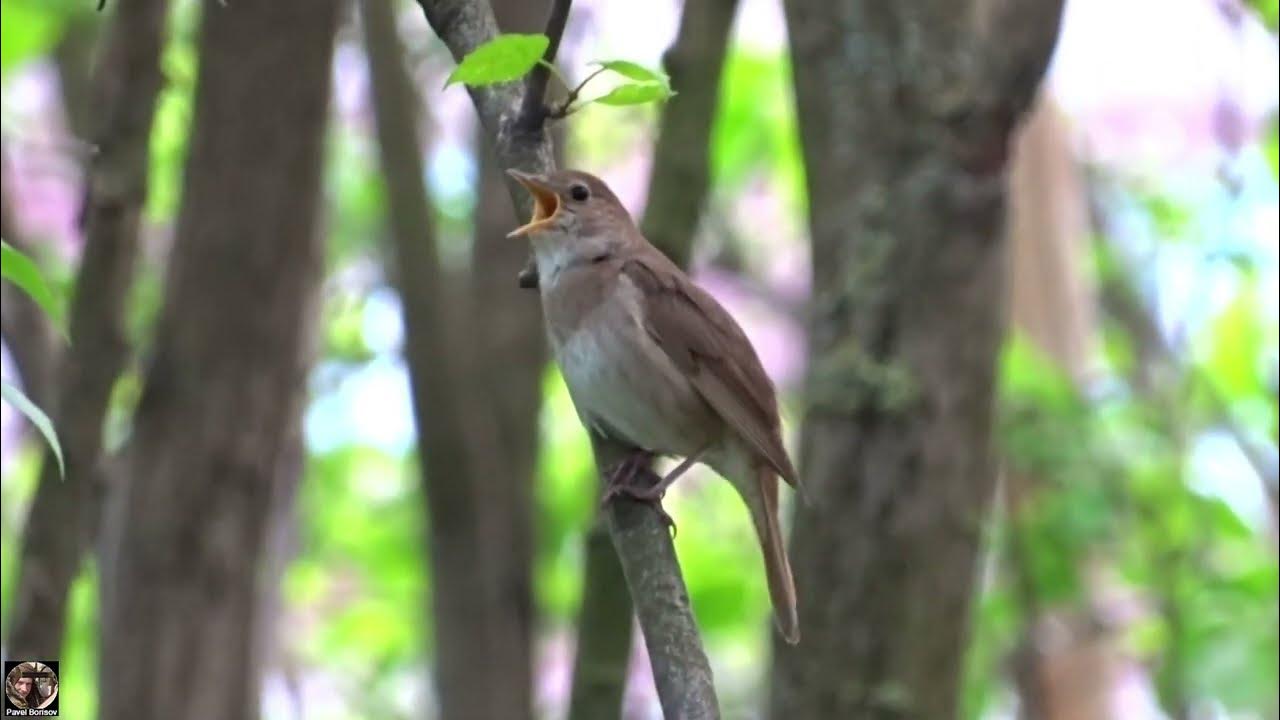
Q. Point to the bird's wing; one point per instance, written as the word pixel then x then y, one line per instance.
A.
pixel 704 342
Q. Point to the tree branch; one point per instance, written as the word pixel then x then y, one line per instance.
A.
pixel 680 667
pixel 533 109
pixel 643 544
pixel 1017 38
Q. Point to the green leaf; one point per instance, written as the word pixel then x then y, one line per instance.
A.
pixel 14 397
pixel 1271 148
pixel 502 59
pixel 29 31
pixel 635 94
pixel 23 272
pixel 632 71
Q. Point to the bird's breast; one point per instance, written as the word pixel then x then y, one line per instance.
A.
pixel 623 384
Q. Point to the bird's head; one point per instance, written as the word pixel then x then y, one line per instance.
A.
pixel 574 207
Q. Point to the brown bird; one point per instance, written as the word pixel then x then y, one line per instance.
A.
pixel 653 362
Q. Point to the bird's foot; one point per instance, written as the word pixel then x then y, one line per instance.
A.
pixel 634 479
pixel 622 478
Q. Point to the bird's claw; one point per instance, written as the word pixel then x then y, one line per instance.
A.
pixel 632 478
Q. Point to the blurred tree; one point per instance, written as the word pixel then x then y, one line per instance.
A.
pixel 906 133
pixel 1052 305
pixel 475 366
pixel 187 532
pixel 64 513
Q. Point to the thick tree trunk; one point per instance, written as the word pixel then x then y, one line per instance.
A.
pixel 63 513
pixel 224 390
pixel 905 113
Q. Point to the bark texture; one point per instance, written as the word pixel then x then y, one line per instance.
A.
pixel 64 511
pixel 643 544
pixel 905 113
pixel 221 403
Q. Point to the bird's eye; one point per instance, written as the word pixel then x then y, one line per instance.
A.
pixel 579 193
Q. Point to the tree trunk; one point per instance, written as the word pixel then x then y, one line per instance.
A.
pixel 905 114
pixel 223 393
pixel 64 511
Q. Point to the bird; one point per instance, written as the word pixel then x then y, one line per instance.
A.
pixel 654 363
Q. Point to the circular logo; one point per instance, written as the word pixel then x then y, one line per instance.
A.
pixel 31 685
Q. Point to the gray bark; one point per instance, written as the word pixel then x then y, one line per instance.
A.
pixel 681 671
pixel 905 113
pixel 188 533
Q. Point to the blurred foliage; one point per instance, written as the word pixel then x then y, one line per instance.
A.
pixel 360 581
pixel 755 134
pixel 179 64
pixel 1110 515
pixel 29 29
pixel 1268 10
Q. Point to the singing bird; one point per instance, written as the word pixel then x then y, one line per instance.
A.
pixel 654 363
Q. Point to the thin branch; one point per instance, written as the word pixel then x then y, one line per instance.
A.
pixel 681 671
pixel 533 109
pixel 464 25
pixel 561 109
pixel 643 544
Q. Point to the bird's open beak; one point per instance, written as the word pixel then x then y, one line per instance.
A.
pixel 546 203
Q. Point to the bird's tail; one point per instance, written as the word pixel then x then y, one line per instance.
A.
pixel 782 588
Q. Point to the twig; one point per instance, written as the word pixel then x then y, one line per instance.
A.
pixel 561 110
pixel 533 109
